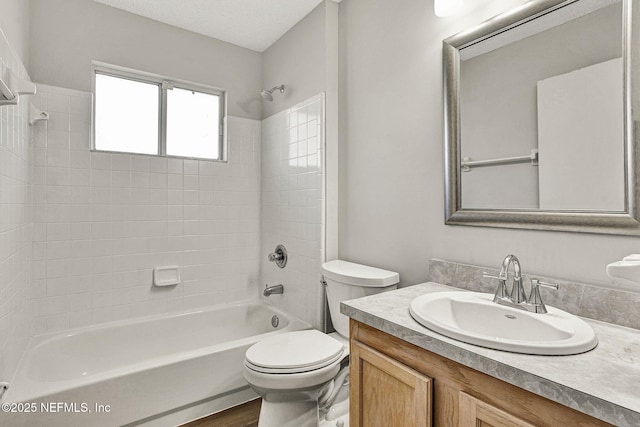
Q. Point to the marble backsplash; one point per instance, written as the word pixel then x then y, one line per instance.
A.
pixel 607 305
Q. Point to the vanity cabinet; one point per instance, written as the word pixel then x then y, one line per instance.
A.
pixel 475 412
pixel 394 383
pixel 388 393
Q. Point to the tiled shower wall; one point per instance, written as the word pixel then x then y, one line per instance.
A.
pixel 293 206
pixel 102 221
pixel 15 222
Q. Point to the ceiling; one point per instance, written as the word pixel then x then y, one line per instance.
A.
pixel 254 24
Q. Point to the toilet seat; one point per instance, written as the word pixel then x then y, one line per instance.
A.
pixel 292 370
pixel 294 352
pixel 290 382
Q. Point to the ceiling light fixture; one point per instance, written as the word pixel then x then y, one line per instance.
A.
pixel 444 8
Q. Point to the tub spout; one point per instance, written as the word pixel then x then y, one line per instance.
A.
pixel 268 290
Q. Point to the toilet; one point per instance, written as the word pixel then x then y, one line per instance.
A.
pixel 300 375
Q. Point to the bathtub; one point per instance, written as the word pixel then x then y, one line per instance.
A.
pixel 154 371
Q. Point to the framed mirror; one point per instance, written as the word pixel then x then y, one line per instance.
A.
pixel 539 119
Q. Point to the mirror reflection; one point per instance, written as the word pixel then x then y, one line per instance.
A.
pixel 542 113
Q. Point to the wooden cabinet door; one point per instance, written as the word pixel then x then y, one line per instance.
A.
pixel 476 413
pixel 386 393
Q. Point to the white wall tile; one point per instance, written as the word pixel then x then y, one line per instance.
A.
pixel 110 218
pixel 292 179
pixel 16 231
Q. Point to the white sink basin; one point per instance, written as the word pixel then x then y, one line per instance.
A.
pixel 474 318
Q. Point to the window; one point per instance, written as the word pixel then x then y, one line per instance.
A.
pixel 130 125
pixel 192 123
pixel 147 114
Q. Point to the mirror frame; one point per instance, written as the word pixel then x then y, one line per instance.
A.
pixel 625 222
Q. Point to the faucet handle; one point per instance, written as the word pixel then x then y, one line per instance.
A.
pixel 501 290
pixel 275 256
pixel 492 276
pixel 279 256
pixel 544 284
pixel 535 300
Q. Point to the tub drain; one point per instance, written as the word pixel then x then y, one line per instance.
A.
pixel 275 321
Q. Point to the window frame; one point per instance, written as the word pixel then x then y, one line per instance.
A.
pixel 164 84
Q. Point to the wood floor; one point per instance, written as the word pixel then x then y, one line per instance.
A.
pixel 245 415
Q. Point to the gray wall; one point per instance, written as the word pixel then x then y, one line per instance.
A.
pixel 296 60
pixel 14 21
pixel 66 35
pixel 392 178
pixel 305 59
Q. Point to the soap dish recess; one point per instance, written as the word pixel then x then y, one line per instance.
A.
pixel 166 276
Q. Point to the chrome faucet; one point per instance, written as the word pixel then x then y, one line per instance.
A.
pixel 269 290
pixel 517 298
pixel 517 295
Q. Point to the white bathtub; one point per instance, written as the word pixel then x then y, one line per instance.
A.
pixel 155 371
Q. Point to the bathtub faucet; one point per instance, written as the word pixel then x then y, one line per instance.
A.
pixel 268 290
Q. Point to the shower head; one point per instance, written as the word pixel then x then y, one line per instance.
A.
pixel 268 94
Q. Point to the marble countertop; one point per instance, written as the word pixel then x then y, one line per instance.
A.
pixel 603 383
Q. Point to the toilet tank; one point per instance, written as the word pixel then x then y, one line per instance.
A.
pixel 347 280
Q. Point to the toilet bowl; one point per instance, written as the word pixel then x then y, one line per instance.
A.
pixel 300 374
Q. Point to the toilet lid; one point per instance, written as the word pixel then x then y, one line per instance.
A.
pixel 350 273
pixel 295 351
